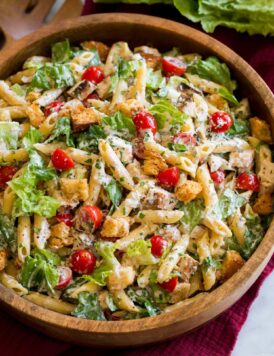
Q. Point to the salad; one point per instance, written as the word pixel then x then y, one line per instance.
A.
pixel 130 180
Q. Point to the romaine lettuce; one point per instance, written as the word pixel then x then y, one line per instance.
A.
pixel 88 140
pixel 193 213
pixel 61 51
pixel 62 128
pixel 229 202
pixel 8 236
pixel 88 307
pixel 120 123
pixel 9 133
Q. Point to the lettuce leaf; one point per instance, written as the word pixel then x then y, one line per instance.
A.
pixel 253 236
pixel 155 80
pixel 144 299
pixel 193 213
pixel 120 123
pixel 8 236
pixel 9 133
pixel 32 136
pixel 61 51
pixel 62 128
pixel 114 191
pixel 229 202
pixel 239 128
pixel 88 140
pixel 18 89
pixel 139 252
pixel 226 94
pixel 88 307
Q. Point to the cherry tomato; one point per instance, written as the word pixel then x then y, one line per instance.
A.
pixel 170 285
pixel 53 107
pixel 169 177
pixel 220 121
pixel 82 261
pixel 65 276
pixel 6 174
pixel 173 66
pixel 248 181
pixel 61 160
pixel 66 218
pixel 93 214
pixel 94 74
pixel 144 120
pixel 185 139
pixel 218 176
pixel 158 245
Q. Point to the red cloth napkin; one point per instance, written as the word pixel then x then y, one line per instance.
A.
pixel 218 337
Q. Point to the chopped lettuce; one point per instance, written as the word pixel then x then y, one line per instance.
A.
pixel 239 128
pixel 226 94
pixel 229 202
pixel 155 80
pixel 114 191
pixel 193 213
pixel 144 299
pixel 9 133
pixel 210 262
pixel 100 275
pixel 165 112
pixel 212 69
pixel 52 76
pixel 88 140
pixel 18 89
pixel 139 252
pixel 32 136
pixel 61 51
pixel 8 236
pixel 123 125
pixel 39 271
pixel 88 307
pixel 62 128
pixel 253 236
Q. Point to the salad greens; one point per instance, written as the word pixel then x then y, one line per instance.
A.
pixel 143 298
pixel 229 202
pixel 8 236
pixel 62 128
pixel 9 134
pixel 120 123
pixel 88 140
pixel 193 213
pixel 88 307
pixel 61 52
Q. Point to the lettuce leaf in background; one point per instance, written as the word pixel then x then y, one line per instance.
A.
pixel 148 2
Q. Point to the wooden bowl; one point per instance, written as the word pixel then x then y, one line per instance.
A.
pixel 164 34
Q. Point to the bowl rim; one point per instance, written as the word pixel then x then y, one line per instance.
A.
pixel 203 302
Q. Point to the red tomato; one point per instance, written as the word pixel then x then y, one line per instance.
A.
pixel 93 214
pixel 220 121
pixel 53 107
pixel 169 177
pixel 61 160
pixel 144 120
pixel 158 245
pixel 185 139
pixel 170 285
pixel 94 74
pixel 173 66
pixel 66 218
pixel 6 174
pixel 218 176
pixel 65 276
pixel 248 181
pixel 82 261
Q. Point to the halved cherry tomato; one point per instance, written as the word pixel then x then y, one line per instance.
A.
pixel 218 176
pixel 169 177
pixel 66 218
pixel 158 245
pixel 220 121
pixel 94 74
pixel 65 276
pixel 92 214
pixel 170 285
pixel 61 160
pixel 173 66
pixel 53 107
pixel 6 174
pixel 144 120
pixel 185 139
pixel 82 261
pixel 248 181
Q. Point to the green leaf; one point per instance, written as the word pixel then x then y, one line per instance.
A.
pixel 120 123
pixel 139 252
pixel 32 136
pixel 62 128
pixel 9 133
pixel 100 274
pixel 193 214
pixel 177 147
pixel 210 262
pixel 114 191
pixel 165 113
pixel 52 76
pixel 226 94
pixel 253 236
pixel 212 69
pixel 155 80
pixel 229 202
pixel 61 52
pixel 239 128
pixel 8 235
pixel 88 307
pixel 144 299
pixel 88 140
pixel 18 89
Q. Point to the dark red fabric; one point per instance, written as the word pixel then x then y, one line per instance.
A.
pixel 217 337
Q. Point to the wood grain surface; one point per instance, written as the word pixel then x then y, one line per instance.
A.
pixel 189 314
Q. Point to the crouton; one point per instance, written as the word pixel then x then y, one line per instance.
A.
pixel 260 129
pixel 181 292
pixel 32 96
pixel 154 163
pixel 151 55
pixel 3 259
pixel 102 49
pixel 115 227
pixel 60 230
pixel 60 236
pixel 129 107
pixel 74 189
pixel 231 264
pixel 263 204
pixel 188 191
pixel 83 117
pixel 243 160
pixel 82 89
pixel 121 279
pixel 160 199
pixel 218 101
pixel 187 267
pixel 35 114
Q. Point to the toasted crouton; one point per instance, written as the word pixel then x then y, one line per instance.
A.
pixel 231 264
pixel 102 49
pixel 264 204
pixel 154 163
pixel 121 279
pixel 83 117
pixel 3 259
pixel 260 129
pixel 32 96
pixel 60 230
pixel 129 107
pixel 188 191
pixel 115 227
pixel 218 101
pixel 74 189
pixel 35 114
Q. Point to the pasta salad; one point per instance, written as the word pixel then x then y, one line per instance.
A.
pixel 130 180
